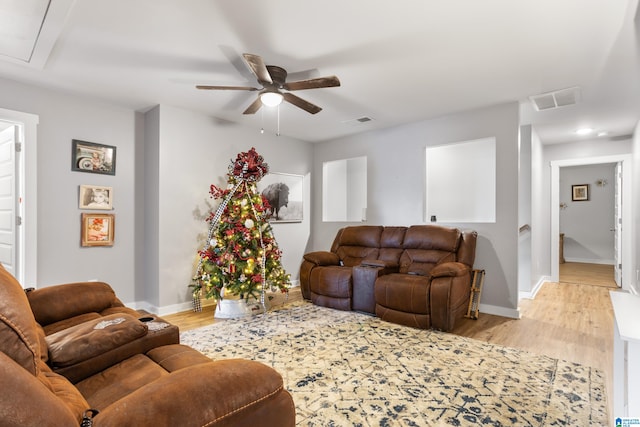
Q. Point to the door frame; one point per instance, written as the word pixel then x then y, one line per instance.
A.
pixel 28 136
pixel 627 182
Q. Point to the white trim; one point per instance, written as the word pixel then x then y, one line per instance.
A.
pixel 28 124
pixel 170 309
pixel 590 261
pixel 499 311
pixel 175 308
pixel 532 294
pixel 627 179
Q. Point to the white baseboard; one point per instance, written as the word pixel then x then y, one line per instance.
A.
pixel 161 311
pixel 500 311
pixel 590 261
pixel 175 308
pixel 532 293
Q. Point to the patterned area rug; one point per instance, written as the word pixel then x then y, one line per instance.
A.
pixel 350 369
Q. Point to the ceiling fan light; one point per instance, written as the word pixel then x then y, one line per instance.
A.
pixel 584 131
pixel 271 99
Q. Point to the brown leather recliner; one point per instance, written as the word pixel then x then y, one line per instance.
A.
pixel 68 313
pixel 170 385
pixel 418 276
pixel 432 286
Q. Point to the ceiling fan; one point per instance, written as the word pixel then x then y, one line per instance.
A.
pixel 273 81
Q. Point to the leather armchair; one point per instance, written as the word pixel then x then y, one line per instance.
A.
pixel 68 314
pixel 432 286
pixel 170 385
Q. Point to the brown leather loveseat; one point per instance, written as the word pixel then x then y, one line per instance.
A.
pixel 418 276
pixel 167 385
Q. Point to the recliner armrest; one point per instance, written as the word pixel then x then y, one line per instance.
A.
pixel 449 269
pixel 322 258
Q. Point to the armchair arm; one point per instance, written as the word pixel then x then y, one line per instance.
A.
pixel 449 269
pixel 450 288
pixel 28 401
pixel 220 393
pixel 322 258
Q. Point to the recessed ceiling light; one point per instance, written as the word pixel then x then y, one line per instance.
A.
pixel 584 131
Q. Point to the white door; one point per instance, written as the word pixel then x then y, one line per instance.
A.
pixel 617 227
pixel 8 202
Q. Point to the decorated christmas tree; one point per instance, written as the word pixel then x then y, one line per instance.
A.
pixel 241 257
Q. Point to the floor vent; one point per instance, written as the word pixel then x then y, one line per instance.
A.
pixel 556 99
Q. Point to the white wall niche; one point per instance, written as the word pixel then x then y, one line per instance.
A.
pixel 344 190
pixel 461 182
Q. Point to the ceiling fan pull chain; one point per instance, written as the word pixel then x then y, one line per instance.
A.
pixel 262 121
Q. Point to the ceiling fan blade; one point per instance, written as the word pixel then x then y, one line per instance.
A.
pixel 258 67
pixel 301 103
pixel 320 82
pixel 255 106
pixel 205 87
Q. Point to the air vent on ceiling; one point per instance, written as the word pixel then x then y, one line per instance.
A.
pixel 556 99
pixel 358 121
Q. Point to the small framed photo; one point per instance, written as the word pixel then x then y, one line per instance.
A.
pixel 580 193
pixel 93 197
pixel 97 229
pixel 284 193
pixel 93 158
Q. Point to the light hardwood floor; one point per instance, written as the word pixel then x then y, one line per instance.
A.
pixel 570 320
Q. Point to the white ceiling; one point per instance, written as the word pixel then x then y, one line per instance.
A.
pixel 398 62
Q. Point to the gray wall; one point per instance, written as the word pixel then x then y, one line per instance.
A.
pixel 63 118
pixel 587 225
pixel 167 150
pixel 396 162
pixel 166 160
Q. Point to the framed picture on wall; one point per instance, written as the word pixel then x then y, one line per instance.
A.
pixel 94 197
pixel 580 193
pixel 284 193
pixel 97 229
pixel 93 158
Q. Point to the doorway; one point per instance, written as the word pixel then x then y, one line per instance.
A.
pixel 18 195
pixel 624 245
pixel 587 224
